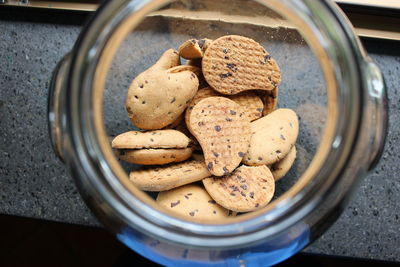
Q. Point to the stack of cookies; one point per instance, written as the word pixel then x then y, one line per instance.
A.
pixel 213 141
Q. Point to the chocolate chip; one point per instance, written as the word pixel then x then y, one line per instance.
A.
pixel 226 57
pixel 141 86
pixel 200 123
pixel 267 57
pixel 278 151
pixel 252 194
pixel 186 196
pixel 193 75
pixel 232 112
pixel 282 137
pixel 214 212
pixel 146 82
pixel 225 75
pixel 173 204
pixel 226 171
pixel 201 43
pixel 189 194
pixel 212 201
pixel 243 186
pixel 136 97
pixel 241 154
pixel 232 194
pixel 216 154
pixel 228 119
pixel 243 193
pixel 173 100
pixel 153 133
pixel 210 166
pixel 151 139
pixel 229 146
pixel 232 67
pixel 192 212
pixel 259 158
pixel 290 124
pixel 143 102
pixel 257 205
pixel 225 50
pixel 187 170
pixel 217 128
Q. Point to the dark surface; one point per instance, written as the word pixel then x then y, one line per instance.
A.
pixel 34 183
pixel 31 242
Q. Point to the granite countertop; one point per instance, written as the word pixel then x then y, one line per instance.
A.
pixel 34 183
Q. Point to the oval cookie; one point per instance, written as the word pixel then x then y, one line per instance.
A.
pixel 168 177
pixel 272 137
pixel 222 131
pixel 280 168
pixel 232 64
pixel 158 156
pixel 246 189
pixel 153 139
pixel 193 202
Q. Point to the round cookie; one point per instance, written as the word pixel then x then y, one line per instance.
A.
pixel 158 156
pixel 168 177
pixel 232 64
pixel 273 137
pixel 152 139
pixel 222 131
pixel 156 97
pixel 193 202
pixel 246 189
pixel 251 104
pixel 282 167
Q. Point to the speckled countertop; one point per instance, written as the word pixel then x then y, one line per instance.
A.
pixel 34 183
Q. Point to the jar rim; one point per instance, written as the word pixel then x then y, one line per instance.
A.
pixel 92 156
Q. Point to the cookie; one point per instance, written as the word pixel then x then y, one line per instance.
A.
pixel 168 177
pixel 200 95
pixel 232 64
pixel 158 156
pixel 280 168
pixel 194 48
pixel 251 104
pixel 194 69
pixel 273 136
pixel 193 202
pixel 246 189
pixel 222 131
pixel 156 97
pixel 151 139
pixel 270 100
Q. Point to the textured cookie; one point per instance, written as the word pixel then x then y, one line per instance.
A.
pixel 232 64
pixel 158 156
pixel 157 97
pixel 168 177
pixel 151 139
pixel 272 137
pixel 194 48
pixel 222 131
pixel 246 189
pixel 280 168
pixel 251 104
pixel 270 99
pixel 200 95
pixel 193 202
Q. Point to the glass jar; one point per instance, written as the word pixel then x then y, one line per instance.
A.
pixel 327 78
